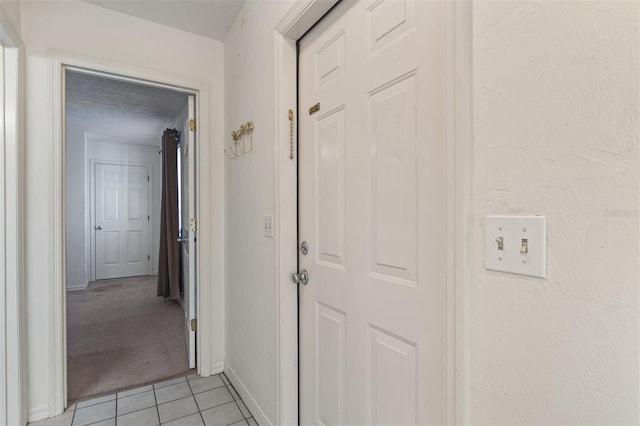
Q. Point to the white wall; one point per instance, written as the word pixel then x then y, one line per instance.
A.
pixel 13 374
pixel 80 150
pixel 250 193
pixel 77 204
pixel 556 133
pixel 11 14
pixel 84 29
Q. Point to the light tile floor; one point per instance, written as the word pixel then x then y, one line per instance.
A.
pixel 186 401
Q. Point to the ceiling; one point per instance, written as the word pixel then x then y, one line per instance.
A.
pixel 208 18
pixel 120 111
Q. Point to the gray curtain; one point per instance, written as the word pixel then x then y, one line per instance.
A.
pixel 169 260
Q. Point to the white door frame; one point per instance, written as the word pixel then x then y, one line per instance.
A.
pixel 13 374
pixel 297 21
pixel 208 273
pixel 92 207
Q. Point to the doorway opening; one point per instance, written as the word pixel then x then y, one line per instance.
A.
pixel 130 203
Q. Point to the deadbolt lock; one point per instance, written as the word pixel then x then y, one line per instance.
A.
pixel 304 248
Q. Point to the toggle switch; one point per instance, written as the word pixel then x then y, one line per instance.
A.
pixel 268 225
pixel 516 244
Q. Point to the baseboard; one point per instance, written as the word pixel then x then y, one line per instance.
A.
pixel 251 403
pixel 217 368
pixel 39 413
pixel 77 286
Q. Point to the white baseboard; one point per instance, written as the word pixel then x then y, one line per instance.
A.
pixel 39 413
pixel 77 286
pixel 251 404
pixel 217 368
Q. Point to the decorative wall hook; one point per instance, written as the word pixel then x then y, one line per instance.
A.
pixel 239 147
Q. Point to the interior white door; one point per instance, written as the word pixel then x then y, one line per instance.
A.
pixel 121 220
pixel 371 208
pixel 188 231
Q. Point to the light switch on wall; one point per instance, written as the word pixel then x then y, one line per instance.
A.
pixel 268 225
pixel 516 244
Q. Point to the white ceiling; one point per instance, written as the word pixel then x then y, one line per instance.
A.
pixel 209 18
pixel 119 111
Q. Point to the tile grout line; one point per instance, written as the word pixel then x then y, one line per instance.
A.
pixel 99 421
pixel 193 395
pixel 73 417
pixel 177 418
pixel 153 388
pixel 235 400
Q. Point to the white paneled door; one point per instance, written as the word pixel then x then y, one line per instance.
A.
pixel 121 221
pixel 187 228
pixel 371 209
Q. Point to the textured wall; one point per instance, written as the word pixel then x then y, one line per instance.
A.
pixel 250 193
pixel 11 13
pixel 556 133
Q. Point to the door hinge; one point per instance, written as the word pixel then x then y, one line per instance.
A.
pixel 147 178
pixel 194 324
pixel 148 257
pixel 192 225
pixel 192 125
pixel 148 218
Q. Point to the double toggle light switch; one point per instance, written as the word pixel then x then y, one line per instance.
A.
pixel 516 244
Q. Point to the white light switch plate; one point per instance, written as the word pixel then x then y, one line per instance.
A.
pixel 268 225
pixel 513 258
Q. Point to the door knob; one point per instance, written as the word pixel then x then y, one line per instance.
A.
pixel 98 228
pixel 302 277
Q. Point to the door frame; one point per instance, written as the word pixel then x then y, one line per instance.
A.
pixel 13 333
pixel 92 208
pixel 210 221
pixel 293 25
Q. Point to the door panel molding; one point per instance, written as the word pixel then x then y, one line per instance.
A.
pixel 300 18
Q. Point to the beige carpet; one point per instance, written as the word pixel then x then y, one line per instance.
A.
pixel 120 335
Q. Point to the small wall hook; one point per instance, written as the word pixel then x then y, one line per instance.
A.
pixel 239 148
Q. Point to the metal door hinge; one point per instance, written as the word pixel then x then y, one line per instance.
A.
pixel 148 257
pixel 192 225
pixel 192 125
pixel 194 324
pixel 148 218
pixel 147 178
